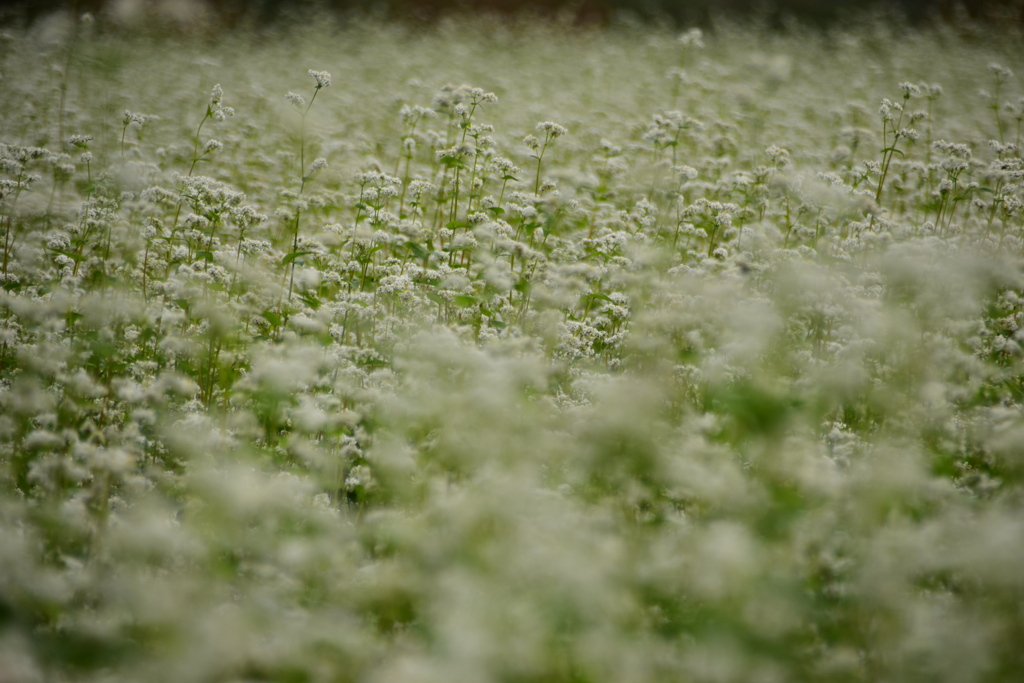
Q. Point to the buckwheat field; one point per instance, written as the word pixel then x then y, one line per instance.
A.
pixel 511 352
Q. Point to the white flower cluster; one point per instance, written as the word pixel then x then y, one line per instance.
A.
pixel 323 78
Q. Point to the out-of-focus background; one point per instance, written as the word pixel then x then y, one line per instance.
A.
pixel 185 13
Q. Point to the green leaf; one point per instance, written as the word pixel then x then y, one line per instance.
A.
pixel 310 301
pixel 366 255
pixel 416 250
pixel 893 149
pixel 271 317
pixel 292 256
pixel 70 254
pixel 435 298
pixel 465 301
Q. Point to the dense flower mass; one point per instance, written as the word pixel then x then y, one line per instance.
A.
pixel 718 378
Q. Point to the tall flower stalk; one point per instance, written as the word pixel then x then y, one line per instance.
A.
pixel 215 110
pixel 892 115
pixel 550 131
pixel 323 80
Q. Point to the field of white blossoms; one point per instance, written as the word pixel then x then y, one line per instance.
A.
pixel 511 352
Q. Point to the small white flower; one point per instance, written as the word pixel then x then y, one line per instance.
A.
pixel 135 119
pixel 692 38
pixel 1001 72
pixel 885 110
pixel 212 146
pixel 779 156
pixel 216 109
pixel 318 165
pixel 323 78
pixel 551 129
pixel 909 89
